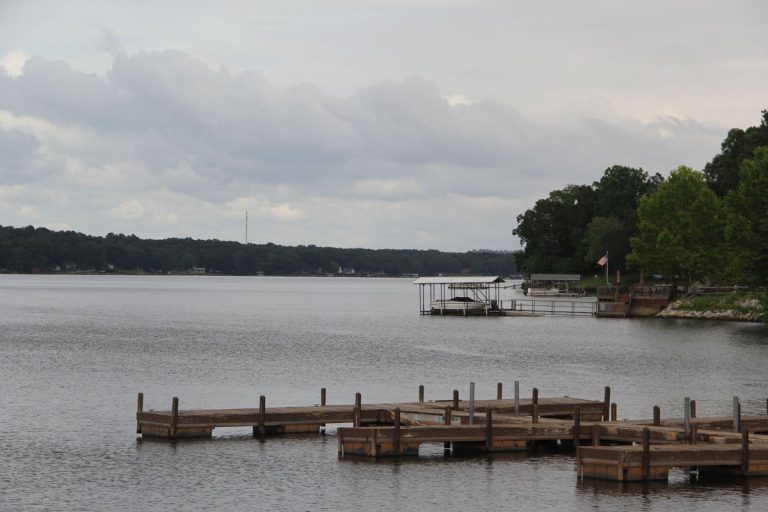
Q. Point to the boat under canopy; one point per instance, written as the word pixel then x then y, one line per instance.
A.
pixel 459 295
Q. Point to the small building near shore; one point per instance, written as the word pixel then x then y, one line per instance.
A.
pixel 551 285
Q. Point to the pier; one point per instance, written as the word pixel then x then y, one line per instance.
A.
pixel 605 448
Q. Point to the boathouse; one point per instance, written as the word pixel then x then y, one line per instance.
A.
pixel 460 295
pixel 564 285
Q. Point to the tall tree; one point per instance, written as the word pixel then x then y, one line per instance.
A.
pixel 681 228
pixel 747 221
pixel 618 195
pixel 553 230
pixel 722 172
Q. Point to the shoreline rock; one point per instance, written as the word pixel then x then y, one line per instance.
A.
pixel 672 311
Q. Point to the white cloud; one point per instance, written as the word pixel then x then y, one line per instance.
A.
pixel 166 145
pixel 13 62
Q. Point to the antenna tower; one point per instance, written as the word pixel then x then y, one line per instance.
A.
pixel 246 227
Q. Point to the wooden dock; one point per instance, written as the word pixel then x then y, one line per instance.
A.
pixel 200 423
pixel 606 448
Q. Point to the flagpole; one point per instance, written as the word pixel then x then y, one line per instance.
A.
pixel 606 269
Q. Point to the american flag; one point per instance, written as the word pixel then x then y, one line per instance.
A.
pixel 602 261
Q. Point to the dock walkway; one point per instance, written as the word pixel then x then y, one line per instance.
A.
pixel 606 448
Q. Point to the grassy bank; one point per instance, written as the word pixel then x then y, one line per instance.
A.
pixel 747 306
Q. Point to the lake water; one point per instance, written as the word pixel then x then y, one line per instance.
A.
pixel 75 351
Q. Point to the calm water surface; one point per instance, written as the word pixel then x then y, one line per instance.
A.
pixel 75 350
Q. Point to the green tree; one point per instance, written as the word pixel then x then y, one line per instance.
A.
pixel 618 196
pixel 747 221
pixel 681 228
pixel 553 230
pixel 606 234
pixel 722 172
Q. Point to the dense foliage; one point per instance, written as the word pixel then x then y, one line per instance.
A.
pixel 679 226
pixel 573 227
pixel 710 225
pixel 32 249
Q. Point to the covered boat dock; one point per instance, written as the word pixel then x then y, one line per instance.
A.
pixel 460 295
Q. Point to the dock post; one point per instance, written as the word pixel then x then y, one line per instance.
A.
pixel 607 403
pixel 614 412
pixel 447 421
pixel 374 440
pixel 488 430
pixel 421 393
pixel 646 453
pixel 535 397
pixel 139 408
pixel 693 409
pixel 687 417
pixel 396 438
pixel 517 398
pixel 262 426
pixel 694 434
pixel 656 415
pixel 357 412
pixel 322 397
pixel 455 399
pixel 174 417
pixel 471 403
pixel 745 452
pixel 498 391
pixel 535 413
pixel 736 415
pixel 576 427
pixel 595 434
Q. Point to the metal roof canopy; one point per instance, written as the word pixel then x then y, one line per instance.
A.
pixel 460 280
pixel 555 277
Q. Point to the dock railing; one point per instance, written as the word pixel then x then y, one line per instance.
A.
pixel 552 307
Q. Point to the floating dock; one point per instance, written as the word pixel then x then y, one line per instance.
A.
pixel 628 450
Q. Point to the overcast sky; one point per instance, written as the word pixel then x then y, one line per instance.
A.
pixel 418 124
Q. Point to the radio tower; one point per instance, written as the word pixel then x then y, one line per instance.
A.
pixel 246 227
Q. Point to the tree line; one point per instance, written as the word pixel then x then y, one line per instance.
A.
pixel 30 249
pixel 693 225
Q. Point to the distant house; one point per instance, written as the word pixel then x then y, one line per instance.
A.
pixel 197 270
pixel 346 271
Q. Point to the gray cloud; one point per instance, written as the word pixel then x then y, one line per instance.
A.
pixel 164 145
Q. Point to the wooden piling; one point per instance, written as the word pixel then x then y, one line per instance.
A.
pixel 693 409
pixel 356 416
pixel 687 418
pixel 489 430
pixel 471 403
pixel 694 434
pixel 656 415
pixel 499 391
pixel 614 412
pixel 535 397
pixel 535 413
pixel 421 393
pixel 447 421
pixel 745 452
pixel 456 399
pixel 646 453
pixel 736 414
pixel 174 417
pixel 374 442
pixel 576 426
pixel 607 403
pixel 139 408
pixel 262 426
pixel 322 397
pixel 595 434
pixel 396 434
pixel 517 398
